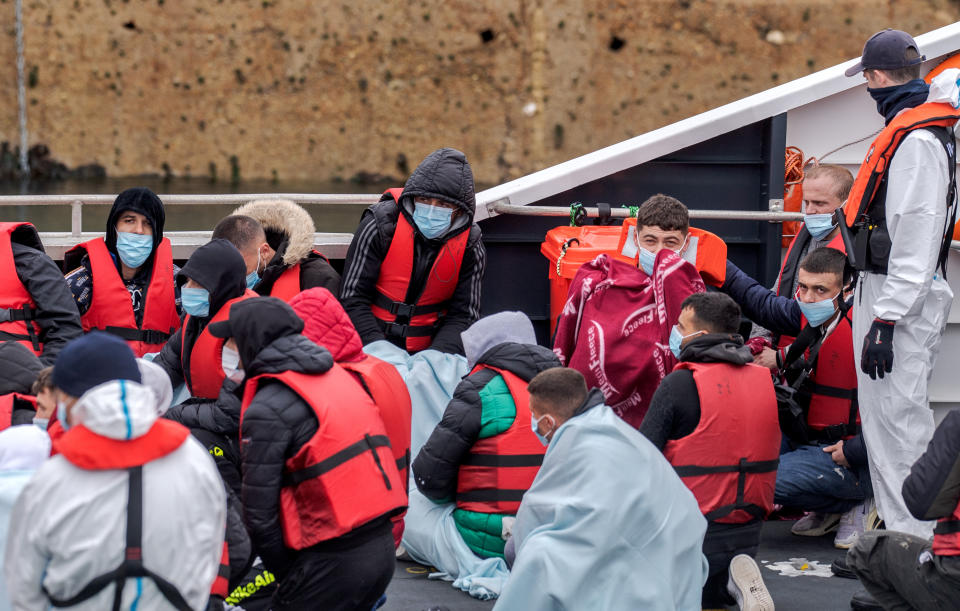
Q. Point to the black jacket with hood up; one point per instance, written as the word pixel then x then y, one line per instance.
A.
pixel 438 463
pixel 218 267
pixel 80 279
pixel 57 314
pixel 20 368
pixel 446 175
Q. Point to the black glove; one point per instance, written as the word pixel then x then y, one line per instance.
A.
pixel 877 354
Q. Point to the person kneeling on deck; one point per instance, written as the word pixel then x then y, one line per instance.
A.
pixel 319 480
pixel 824 467
pixel 414 269
pixel 715 418
pixel 123 283
pixel 607 524
pixel 903 571
pixel 130 512
pixel 483 454
pixel 275 238
pixel 616 323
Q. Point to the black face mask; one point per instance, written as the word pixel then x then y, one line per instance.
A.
pixel 891 100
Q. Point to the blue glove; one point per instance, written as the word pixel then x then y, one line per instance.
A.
pixel 877 356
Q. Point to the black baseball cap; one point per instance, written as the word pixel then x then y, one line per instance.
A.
pixel 887 50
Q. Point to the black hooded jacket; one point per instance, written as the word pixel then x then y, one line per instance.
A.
pixel 56 314
pixel 438 462
pixel 218 267
pixel 446 175
pixel 20 368
pixel 932 490
pixel 80 279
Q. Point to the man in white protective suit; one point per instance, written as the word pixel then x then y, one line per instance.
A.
pixel 900 212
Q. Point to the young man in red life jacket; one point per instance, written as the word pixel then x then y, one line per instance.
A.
pixel 615 326
pixel 903 571
pixel 414 270
pixel 483 454
pixel 901 210
pixel 275 238
pixel 36 307
pixel 319 480
pixel 698 417
pixel 123 283
pixel 20 368
pixel 130 512
pixel 824 469
pixel 326 323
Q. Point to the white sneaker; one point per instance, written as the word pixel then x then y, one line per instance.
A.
pixel 852 525
pixel 816 524
pixel 746 585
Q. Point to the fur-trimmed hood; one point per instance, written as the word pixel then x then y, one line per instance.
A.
pixel 283 221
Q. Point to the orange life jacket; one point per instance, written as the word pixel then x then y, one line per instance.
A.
pixel 707 251
pixel 7 405
pixel 111 309
pixel 344 476
pixel 497 472
pixel 206 354
pixel 946 534
pixel 18 311
pixel 415 317
pixel 730 460
pixel 866 208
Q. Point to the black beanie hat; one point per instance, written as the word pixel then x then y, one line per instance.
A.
pixel 91 360
pixel 141 200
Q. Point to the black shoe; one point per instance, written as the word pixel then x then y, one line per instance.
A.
pixel 862 601
pixel 840 568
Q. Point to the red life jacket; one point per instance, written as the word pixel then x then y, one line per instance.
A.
pixel 206 354
pixel 415 317
pixel 112 310
pixel 18 311
pixel 288 286
pixel 865 213
pixel 497 472
pixel 730 460
pixel 344 476
pixel 832 386
pixel 946 534
pixel 7 405
pixel 221 583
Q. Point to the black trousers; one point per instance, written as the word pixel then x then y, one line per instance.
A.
pixel 349 577
pixel 888 565
pixel 721 543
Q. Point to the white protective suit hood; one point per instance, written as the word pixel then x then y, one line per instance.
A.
pixel 156 379
pixel 23 448
pixel 493 330
pixel 944 88
pixel 118 409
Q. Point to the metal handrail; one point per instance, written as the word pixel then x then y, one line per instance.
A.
pixel 721 215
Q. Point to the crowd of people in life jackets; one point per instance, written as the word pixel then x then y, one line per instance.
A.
pixel 224 434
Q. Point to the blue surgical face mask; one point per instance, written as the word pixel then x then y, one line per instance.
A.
pixel 41 423
pixel 818 312
pixel 134 249
pixel 647 259
pixel 534 426
pixel 195 302
pixel 819 225
pixel 676 340
pixel 62 415
pixel 230 363
pixel 433 221
pixel 253 278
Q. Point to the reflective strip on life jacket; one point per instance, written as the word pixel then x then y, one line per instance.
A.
pixel 206 354
pixel 111 308
pixel 499 470
pixel 705 250
pixel 344 476
pixel 415 317
pixel 18 311
pixel 732 474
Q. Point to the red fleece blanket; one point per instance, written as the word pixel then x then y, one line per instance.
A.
pixel 615 327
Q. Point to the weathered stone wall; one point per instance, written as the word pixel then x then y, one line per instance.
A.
pixel 298 89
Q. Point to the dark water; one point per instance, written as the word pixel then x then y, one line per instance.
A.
pixel 328 218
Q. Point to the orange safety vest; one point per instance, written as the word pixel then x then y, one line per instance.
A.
pixel 497 472
pixel 946 534
pixel 7 404
pixel 707 251
pixel 344 476
pixel 18 311
pixel 866 209
pixel 730 460
pixel 111 309
pixel 415 317
pixel 206 354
